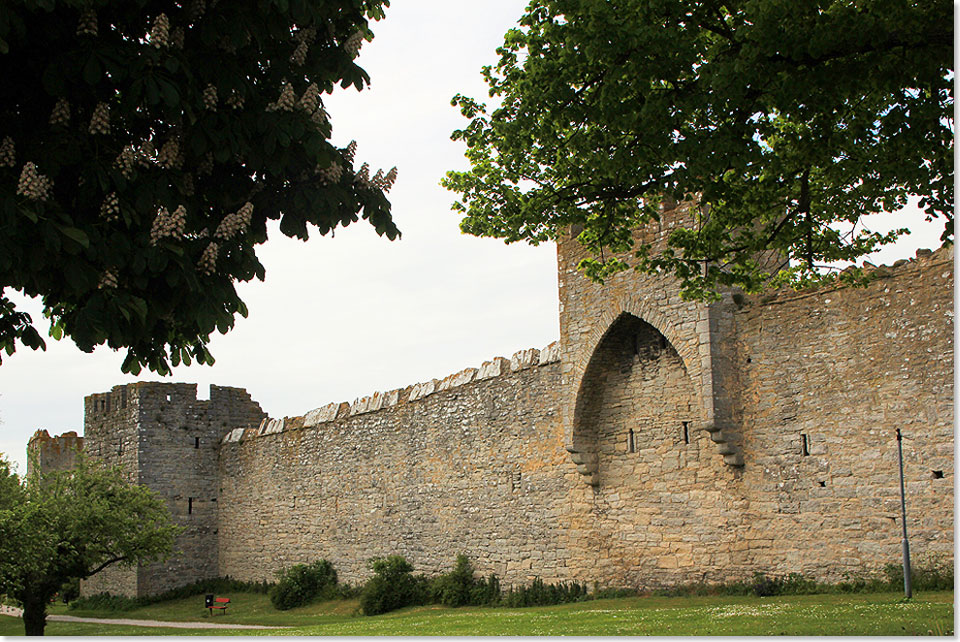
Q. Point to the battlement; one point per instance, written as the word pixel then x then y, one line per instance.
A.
pixel 496 367
pixel 53 453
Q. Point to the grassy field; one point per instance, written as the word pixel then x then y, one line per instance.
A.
pixel 852 614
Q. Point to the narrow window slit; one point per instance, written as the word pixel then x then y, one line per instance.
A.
pixel 631 444
pixel 189 505
pixel 938 474
pixel 686 432
pixel 196 442
pixel 803 445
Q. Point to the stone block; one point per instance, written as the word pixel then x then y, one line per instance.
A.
pixel 493 368
pixel 524 359
pixel 421 390
pixel 550 354
pixel 321 415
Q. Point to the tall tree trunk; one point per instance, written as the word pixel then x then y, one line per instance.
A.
pixel 34 616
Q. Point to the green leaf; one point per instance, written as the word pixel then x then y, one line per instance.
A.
pixel 92 70
pixel 76 235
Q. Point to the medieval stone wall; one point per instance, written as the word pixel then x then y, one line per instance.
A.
pixel 472 463
pixel 661 441
pixel 485 467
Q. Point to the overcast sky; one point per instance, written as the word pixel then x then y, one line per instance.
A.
pixel 345 317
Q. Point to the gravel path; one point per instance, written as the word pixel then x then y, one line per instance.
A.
pixel 15 612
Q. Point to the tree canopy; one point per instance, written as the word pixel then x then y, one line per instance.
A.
pixel 64 525
pixel 784 123
pixel 144 145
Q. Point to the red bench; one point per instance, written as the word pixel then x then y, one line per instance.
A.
pixel 219 603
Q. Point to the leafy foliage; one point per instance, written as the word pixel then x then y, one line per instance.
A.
pixel 218 585
pixel 302 583
pixel 540 594
pixel 781 122
pixel 145 144
pixel 393 586
pixel 62 525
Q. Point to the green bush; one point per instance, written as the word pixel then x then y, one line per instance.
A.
pixel 456 587
pixel 302 583
pixel 393 586
pixel 540 594
pixel 105 602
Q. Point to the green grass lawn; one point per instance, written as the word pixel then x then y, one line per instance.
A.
pixel 852 614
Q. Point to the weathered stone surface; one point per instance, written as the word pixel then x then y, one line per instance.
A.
pixel 524 359
pixel 421 390
pixel 321 415
pixel 458 379
pixel 493 368
pixel 550 354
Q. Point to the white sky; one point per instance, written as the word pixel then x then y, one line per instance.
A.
pixel 345 317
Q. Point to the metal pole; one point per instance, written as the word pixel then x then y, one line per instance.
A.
pixel 907 589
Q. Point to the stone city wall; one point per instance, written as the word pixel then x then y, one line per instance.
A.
pixel 471 463
pixel 48 453
pixel 482 464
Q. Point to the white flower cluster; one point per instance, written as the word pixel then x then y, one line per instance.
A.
pixel 286 101
pixel 362 177
pixel 236 223
pixel 170 156
pixel 126 161
pixel 8 157
pixel 33 184
pixel 235 100
pixel 332 174
pixel 384 181
pixel 350 151
pixel 319 117
pixel 88 23
pixel 304 38
pixel 168 225
pixel 352 44
pixel 61 113
pixel 210 98
pixel 110 209
pixel 310 99
pixel 108 279
pixel 100 121
pixel 160 33
pixel 208 260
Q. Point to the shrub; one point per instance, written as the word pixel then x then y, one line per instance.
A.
pixel 540 594
pixel 392 586
pixel 105 602
pixel 456 587
pixel 302 583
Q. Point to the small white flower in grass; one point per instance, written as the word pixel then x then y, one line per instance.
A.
pixel 8 157
pixel 33 184
pixel 61 113
pixel 100 120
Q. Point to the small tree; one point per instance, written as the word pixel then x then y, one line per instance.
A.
pixel 63 525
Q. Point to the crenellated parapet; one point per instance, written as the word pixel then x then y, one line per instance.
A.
pixel 378 401
pixel 52 453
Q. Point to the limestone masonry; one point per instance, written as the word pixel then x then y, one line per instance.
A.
pixel 659 441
